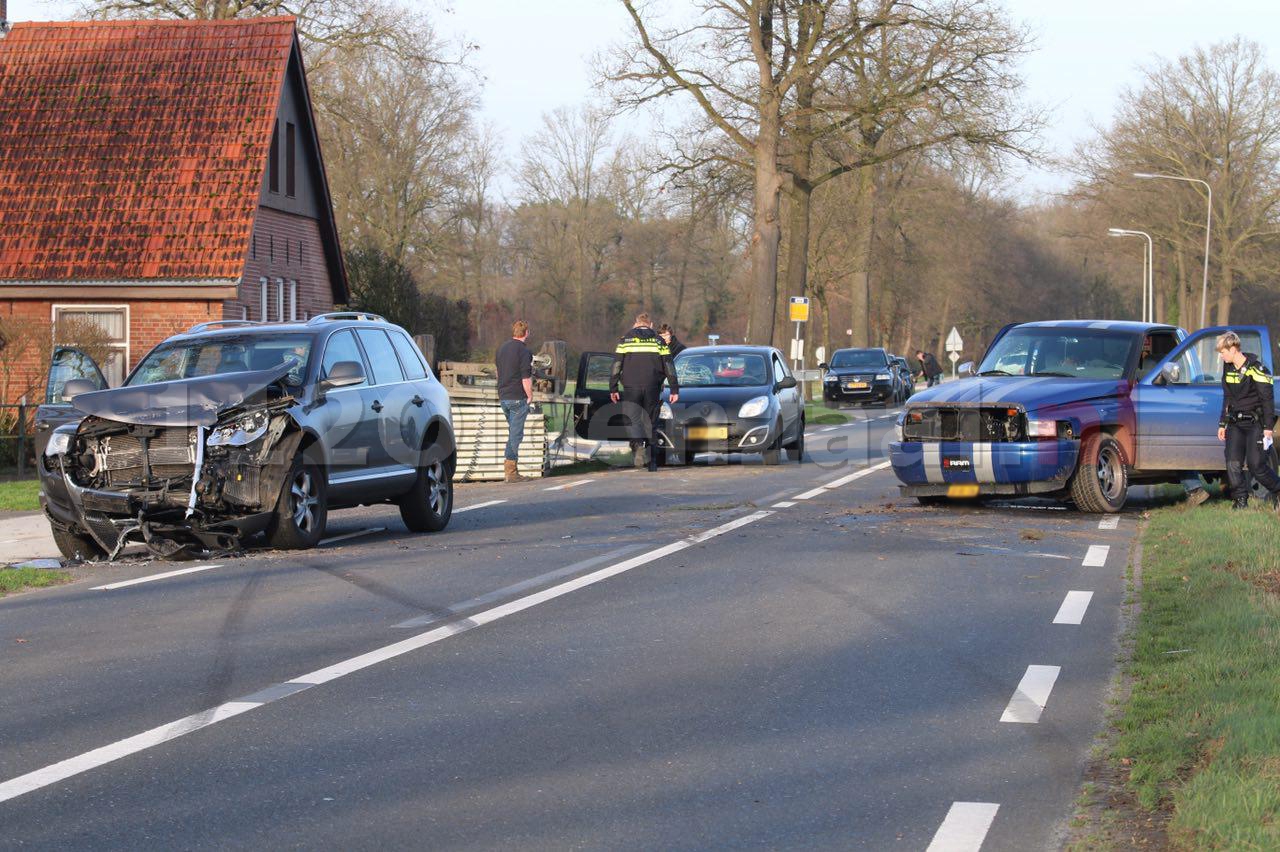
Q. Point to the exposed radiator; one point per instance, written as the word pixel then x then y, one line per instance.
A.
pixel 172 453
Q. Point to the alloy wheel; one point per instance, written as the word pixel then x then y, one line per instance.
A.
pixel 437 488
pixel 1110 473
pixel 305 500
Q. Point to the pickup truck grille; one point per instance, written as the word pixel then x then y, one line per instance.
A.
pixel 172 453
pixel 943 423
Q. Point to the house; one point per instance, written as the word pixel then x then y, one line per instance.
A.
pixel 156 174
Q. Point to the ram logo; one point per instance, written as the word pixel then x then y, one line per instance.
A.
pixel 957 464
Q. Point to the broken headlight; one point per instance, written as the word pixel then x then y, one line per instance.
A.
pixel 60 441
pixel 239 432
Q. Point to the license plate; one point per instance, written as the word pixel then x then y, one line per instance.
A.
pixel 963 489
pixel 855 385
pixel 708 433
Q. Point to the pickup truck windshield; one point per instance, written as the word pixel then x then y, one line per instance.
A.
pixel 209 356
pixel 1085 353
pixel 866 359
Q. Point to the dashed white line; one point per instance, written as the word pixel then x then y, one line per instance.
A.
pixel 483 505
pixel 1073 608
pixel 965 827
pixel 785 504
pixel 356 534
pixel 821 489
pixel 166 575
pixel 1110 522
pixel 829 428
pixel 1031 696
pixel 1096 557
pixel 568 485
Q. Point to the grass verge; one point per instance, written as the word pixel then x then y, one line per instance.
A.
pixel 1199 735
pixel 16 579
pixel 817 414
pixel 20 496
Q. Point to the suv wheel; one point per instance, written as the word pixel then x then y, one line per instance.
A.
pixel 429 504
pixel 1101 480
pixel 302 508
pixel 76 547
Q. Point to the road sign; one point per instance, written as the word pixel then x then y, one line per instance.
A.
pixel 797 349
pixel 954 342
pixel 799 309
pixel 954 356
pixel 820 353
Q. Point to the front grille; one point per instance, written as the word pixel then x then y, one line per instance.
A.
pixel 985 424
pixel 172 453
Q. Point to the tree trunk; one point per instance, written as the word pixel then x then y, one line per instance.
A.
pixel 799 205
pixel 1180 275
pixel 859 281
pixel 943 327
pixel 767 235
pixel 1224 293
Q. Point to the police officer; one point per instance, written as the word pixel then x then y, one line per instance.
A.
pixel 1248 416
pixel 644 363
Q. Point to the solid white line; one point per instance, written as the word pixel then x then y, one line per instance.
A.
pixel 1031 696
pixel 1110 522
pixel 785 504
pixel 1097 555
pixel 167 574
pixel 965 827
pixel 568 485
pixel 345 536
pixel 839 481
pixel 829 428
pixel 1073 607
pixel 484 505
pixel 98 757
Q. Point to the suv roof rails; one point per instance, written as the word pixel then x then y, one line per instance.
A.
pixel 347 315
pixel 203 326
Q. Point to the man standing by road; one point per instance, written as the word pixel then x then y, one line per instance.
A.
pixel 929 368
pixel 643 363
pixel 1248 418
pixel 515 392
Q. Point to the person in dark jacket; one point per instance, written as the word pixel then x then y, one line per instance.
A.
pixel 515 391
pixel 929 368
pixel 1248 420
pixel 643 363
pixel 668 335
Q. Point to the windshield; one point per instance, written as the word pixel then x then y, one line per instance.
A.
pixel 722 371
pixel 866 359
pixel 210 356
pixel 1071 352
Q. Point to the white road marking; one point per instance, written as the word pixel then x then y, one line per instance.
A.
pixel 785 504
pixel 1097 555
pixel 1110 522
pixel 166 575
pixel 1031 696
pixel 483 505
pixel 965 827
pixel 1073 607
pixel 568 485
pixel 821 489
pixel 842 480
pixel 830 428
pixel 79 764
pixel 355 534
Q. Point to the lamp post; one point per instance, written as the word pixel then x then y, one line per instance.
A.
pixel 1148 273
pixel 1208 226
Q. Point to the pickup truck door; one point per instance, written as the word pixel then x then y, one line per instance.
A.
pixel 1177 418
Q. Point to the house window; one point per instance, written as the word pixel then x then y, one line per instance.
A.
pixel 293 300
pixel 74 325
pixel 290 161
pixel 280 298
pixel 262 283
pixel 273 160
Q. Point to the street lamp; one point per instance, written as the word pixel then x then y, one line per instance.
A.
pixel 1208 225
pixel 1148 273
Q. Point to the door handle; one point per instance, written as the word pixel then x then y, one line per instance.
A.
pixel 417 400
pixel 377 406
pixel 42 426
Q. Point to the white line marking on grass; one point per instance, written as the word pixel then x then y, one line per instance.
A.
pixel 1031 696
pixel 1097 555
pixel 1073 608
pixel 483 505
pixel 72 766
pixel 965 827
pixel 1110 522
pixel 355 534
pixel 166 575
pixel 568 485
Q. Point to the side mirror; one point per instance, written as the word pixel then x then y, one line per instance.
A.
pixel 967 369
pixel 344 374
pixel 824 366
pixel 787 383
pixel 75 387
pixel 1170 374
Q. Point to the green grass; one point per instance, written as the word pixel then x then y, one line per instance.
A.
pixel 1200 732
pixel 817 414
pixel 21 496
pixel 16 579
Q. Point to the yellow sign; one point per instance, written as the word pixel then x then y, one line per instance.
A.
pixel 799 309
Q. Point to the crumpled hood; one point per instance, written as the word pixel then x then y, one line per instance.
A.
pixel 184 402
pixel 1030 392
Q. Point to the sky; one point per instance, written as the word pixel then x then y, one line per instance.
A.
pixel 535 56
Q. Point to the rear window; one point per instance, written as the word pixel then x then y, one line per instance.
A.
pixel 382 356
pixel 409 357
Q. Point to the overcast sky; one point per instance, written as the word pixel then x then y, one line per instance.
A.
pixel 534 56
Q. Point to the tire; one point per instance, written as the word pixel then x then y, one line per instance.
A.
pixel 1101 481
pixel 302 507
pixel 773 455
pixel 931 500
pixel 795 452
pixel 76 547
pixel 429 504
pixel 686 458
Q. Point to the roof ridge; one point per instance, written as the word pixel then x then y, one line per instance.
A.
pixel 152 22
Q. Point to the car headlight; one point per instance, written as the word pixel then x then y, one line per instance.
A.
pixel 897 425
pixel 831 378
pixel 1042 428
pixel 241 431
pixel 665 413
pixel 754 407
pixel 59 441
pixel 883 377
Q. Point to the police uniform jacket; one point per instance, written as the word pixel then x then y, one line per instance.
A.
pixel 644 361
pixel 1248 390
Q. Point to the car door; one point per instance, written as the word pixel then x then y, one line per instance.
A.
pixel 387 398
pixel 347 433
pixel 67 363
pixel 595 416
pixel 789 403
pixel 1177 415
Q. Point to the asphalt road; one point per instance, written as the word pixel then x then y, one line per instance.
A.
pixel 706 657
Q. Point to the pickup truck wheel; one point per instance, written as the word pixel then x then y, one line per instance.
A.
pixel 301 510
pixel 1101 480
pixel 429 504
pixel 76 547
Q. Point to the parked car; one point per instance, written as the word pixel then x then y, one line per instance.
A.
pixel 1079 410
pixel 860 377
pixel 908 381
pixel 235 428
pixel 733 399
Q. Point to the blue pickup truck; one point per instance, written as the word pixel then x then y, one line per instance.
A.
pixel 1075 409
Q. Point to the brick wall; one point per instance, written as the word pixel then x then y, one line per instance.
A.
pixel 288 247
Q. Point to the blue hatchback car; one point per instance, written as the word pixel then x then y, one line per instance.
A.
pixel 1077 409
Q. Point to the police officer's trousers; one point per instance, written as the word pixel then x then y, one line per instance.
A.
pixel 1244 444
pixel 644 421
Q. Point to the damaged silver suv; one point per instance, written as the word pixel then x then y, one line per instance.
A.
pixel 235 428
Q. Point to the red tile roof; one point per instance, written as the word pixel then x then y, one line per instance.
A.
pixel 135 149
